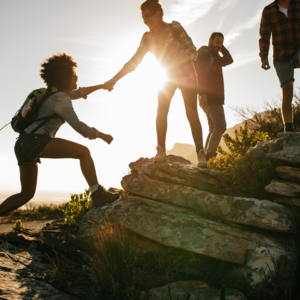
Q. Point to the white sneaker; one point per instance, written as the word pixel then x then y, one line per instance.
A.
pixel 201 159
pixel 161 154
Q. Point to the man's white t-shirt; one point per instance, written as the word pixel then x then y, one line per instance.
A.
pixel 284 10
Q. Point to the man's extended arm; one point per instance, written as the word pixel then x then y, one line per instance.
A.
pixel 264 41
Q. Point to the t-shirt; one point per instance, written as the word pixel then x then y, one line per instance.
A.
pixel 284 10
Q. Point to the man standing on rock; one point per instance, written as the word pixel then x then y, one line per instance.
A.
pixel 282 19
pixel 209 66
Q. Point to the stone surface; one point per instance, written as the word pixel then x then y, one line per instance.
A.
pixel 288 201
pixel 180 171
pixel 178 227
pixel 193 290
pixel 288 173
pixel 284 150
pixel 284 188
pixel 251 212
pixel 21 275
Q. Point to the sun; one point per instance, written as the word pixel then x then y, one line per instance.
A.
pixel 151 71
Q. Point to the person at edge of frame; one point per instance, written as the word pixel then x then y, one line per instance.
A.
pixel 281 18
pixel 58 72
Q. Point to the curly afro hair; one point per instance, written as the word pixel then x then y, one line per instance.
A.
pixel 57 71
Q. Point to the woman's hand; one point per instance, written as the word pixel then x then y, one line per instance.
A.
pixel 106 137
pixel 109 85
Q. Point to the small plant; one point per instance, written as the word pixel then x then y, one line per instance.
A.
pixel 76 209
pixel 18 227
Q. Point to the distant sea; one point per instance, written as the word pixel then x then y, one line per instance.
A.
pixel 41 197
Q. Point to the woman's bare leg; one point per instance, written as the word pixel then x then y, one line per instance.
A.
pixel 190 101
pixel 28 178
pixel 60 148
pixel 164 100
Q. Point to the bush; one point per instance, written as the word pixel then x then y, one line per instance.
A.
pixel 249 176
pixel 76 209
pixel 271 121
pixel 18 227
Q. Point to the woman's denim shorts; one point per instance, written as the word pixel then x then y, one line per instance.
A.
pixel 29 147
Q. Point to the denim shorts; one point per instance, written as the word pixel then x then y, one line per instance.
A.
pixel 285 69
pixel 29 147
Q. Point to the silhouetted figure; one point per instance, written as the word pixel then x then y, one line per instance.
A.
pixel 209 66
pixel 281 18
pixel 58 72
pixel 174 49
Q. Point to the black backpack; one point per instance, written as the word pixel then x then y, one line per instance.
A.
pixel 20 123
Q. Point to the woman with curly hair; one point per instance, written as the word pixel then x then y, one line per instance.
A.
pixel 58 73
pixel 175 50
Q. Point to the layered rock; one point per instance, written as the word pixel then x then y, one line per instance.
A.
pixel 284 150
pixel 174 205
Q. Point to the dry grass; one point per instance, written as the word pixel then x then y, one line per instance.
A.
pixel 114 259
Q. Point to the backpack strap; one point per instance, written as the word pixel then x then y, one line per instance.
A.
pixel 210 56
pixel 45 119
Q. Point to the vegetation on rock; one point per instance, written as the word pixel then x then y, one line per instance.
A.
pixel 18 227
pixel 76 209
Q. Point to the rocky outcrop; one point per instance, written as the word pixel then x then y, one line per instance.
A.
pixel 22 273
pixel 195 290
pixel 178 208
pixel 283 188
pixel 284 150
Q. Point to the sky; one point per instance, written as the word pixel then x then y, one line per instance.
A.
pixel 102 36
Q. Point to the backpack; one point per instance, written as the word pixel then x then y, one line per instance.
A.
pixel 28 112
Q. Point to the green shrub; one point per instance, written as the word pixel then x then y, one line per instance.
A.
pixel 76 209
pixel 249 176
pixel 18 227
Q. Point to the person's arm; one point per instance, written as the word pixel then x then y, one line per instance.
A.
pixel 131 65
pixel 84 91
pixel 227 58
pixel 64 108
pixel 264 41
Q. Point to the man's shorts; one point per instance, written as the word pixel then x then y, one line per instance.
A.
pixel 29 147
pixel 285 69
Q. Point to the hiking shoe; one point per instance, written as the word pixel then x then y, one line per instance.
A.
pixel 161 154
pixel 102 196
pixel 201 159
pixel 210 155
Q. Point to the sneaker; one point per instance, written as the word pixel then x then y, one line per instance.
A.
pixel 102 196
pixel 161 154
pixel 210 155
pixel 201 159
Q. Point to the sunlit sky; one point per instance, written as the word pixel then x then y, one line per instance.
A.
pixel 102 36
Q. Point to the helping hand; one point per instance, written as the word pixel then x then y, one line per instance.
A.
pixel 109 85
pixel 265 65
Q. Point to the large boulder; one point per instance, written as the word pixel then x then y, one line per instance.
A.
pixel 284 188
pixel 284 150
pixel 172 209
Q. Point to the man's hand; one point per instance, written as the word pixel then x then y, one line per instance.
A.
pixel 203 101
pixel 109 85
pixel 265 65
pixel 106 138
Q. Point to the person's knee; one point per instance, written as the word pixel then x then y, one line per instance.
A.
pixel 288 88
pixel 84 152
pixel 27 195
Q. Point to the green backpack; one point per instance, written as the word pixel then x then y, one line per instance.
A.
pixel 27 114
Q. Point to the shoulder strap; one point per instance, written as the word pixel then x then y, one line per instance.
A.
pixel 210 56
